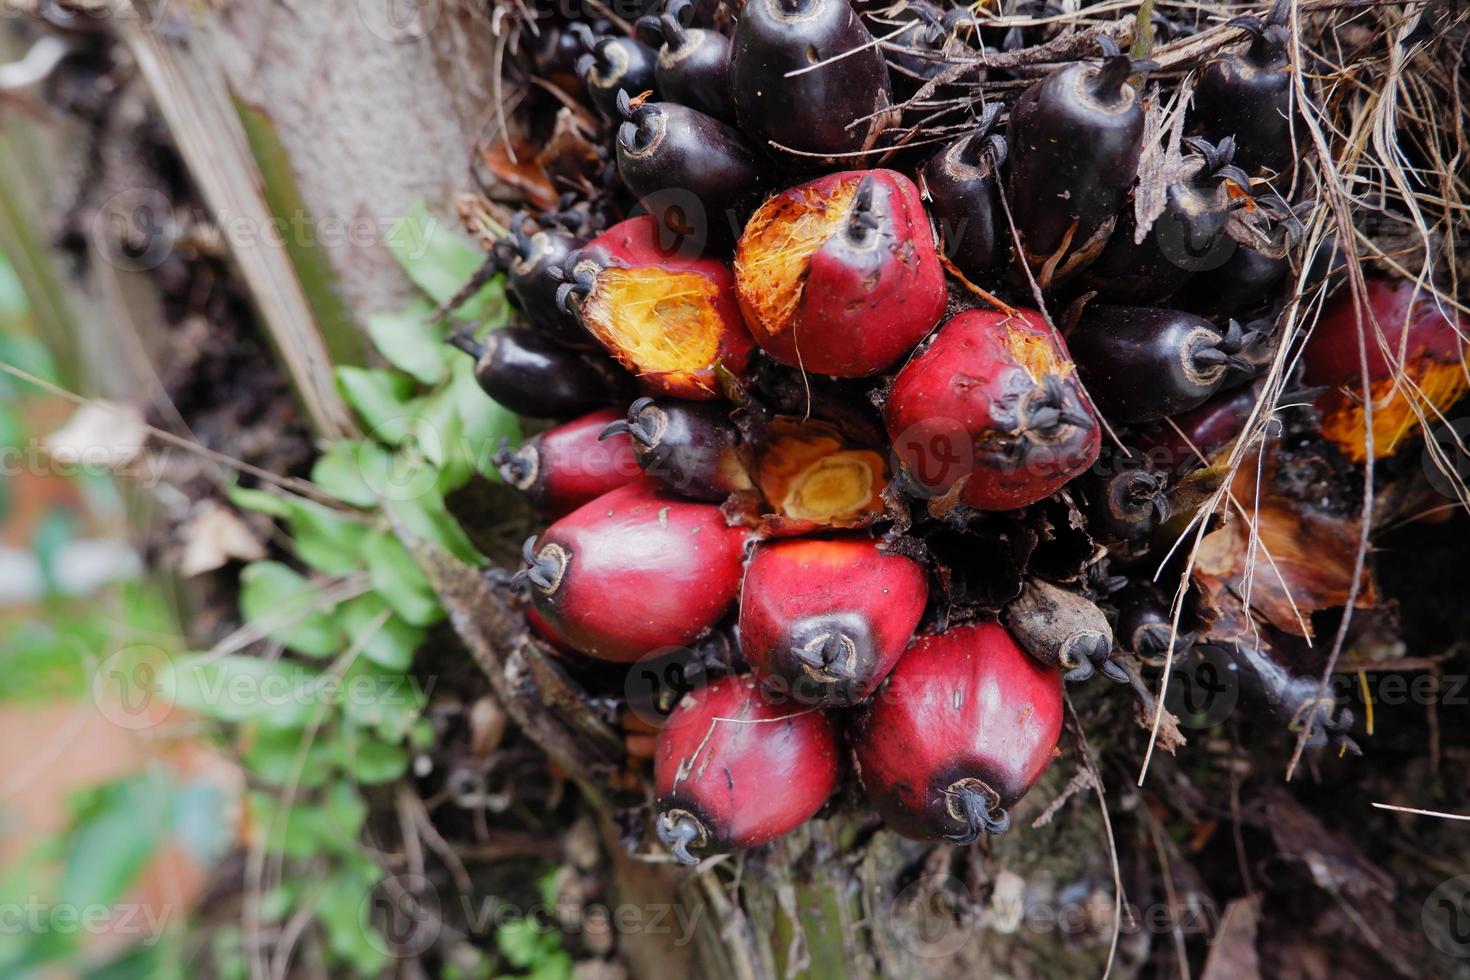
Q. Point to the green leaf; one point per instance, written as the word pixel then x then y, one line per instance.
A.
pixel 397 578
pixel 343 910
pixel 386 701
pixel 344 810
pixel 236 688
pixel 339 471
pixel 426 518
pixel 370 761
pixel 298 832
pixel 440 262
pixel 272 753
pixel 111 839
pixel 260 501
pixel 288 608
pixel 386 639
pixel 325 539
pixel 384 399
pixel 409 342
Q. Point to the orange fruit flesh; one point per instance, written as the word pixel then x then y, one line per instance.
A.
pixel 815 477
pixel 773 258
pixel 656 321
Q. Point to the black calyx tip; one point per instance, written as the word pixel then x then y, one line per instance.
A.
pixel 543 569
pixel 678 830
pixel 978 807
pixel 584 34
pixel 638 129
pixel 520 240
pixel 1051 409
pixel 1237 344
pixel 644 424
pixel 465 340
pixel 862 219
pixel 576 281
pixel 1085 654
pixel 832 649
pixel 516 467
pixel 674 23
pixel 1138 497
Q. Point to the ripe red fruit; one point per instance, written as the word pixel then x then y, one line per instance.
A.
pixel 965 726
pixel 840 275
pixel 670 318
pixel 826 620
pixel 565 467
pixel 1418 334
pixel 993 401
pixel 732 771
pixel 634 571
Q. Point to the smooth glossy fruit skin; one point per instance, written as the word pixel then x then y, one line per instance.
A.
pixel 691 448
pixel 1074 140
pixel 693 65
pixel 964 727
pixel 670 317
pixel 695 173
pixel 1418 334
pixel 563 468
pixel 1247 95
pixel 533 283
pixel 824 621
pixel 1143 363
pixel 873 288
pixel 962 184
pixel 1209 428
pixel 1189 235
pixel 531 375
pixel 614 64
pixel 757 774
pixel 994 400
pixel 1145 620
pixel 634 571
pixel 839 107
pixel 1247 282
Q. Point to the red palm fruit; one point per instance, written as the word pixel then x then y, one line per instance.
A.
pixel 634 571
pixel 964 727
pixel 563 468
pixel 840 275
pixel 993 401
pixel 1403 327
pixel 669 317
pixel 826 620
pixel 732 771
pixel 1178 445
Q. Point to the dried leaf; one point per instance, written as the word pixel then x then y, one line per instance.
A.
pixel 104 434
pixel 213 536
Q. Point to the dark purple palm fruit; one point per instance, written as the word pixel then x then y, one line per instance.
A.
pixel 534 376
pixel 808 78
pixel 1141 364
pixel 1189 235
pixel 1074 139
pixel 1247 95
pixel 532 274
pixel 692 448
pixel 613 63
pixel 695 174
pixel 693 64
pixel 962 184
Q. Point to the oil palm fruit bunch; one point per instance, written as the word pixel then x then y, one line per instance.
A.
pixel 901 418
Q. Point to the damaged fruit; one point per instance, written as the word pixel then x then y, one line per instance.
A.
pixel 840 276
pixel 671 319
pixel 993 402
